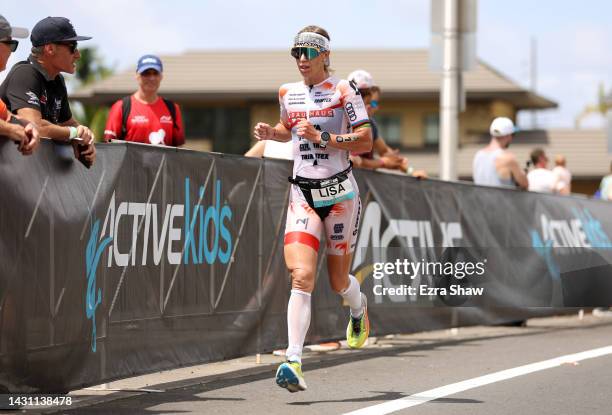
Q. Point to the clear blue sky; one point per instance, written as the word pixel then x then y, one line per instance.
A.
pixel 574 38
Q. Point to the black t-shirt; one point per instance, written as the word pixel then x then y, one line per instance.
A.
pixel 28 86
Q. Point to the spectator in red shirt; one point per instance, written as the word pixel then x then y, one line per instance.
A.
pixel 149 118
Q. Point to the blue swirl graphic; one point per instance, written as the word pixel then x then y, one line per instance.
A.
pixel 92 257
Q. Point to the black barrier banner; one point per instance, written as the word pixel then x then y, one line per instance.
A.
pixel 158 258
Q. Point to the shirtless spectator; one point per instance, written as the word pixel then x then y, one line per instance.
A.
pixel 494 165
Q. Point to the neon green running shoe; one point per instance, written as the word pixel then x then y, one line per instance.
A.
pixel 358 328
pixel 289 376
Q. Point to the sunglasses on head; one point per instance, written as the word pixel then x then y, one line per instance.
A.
pixel 72 46
pixel 309 53
pixel 12 44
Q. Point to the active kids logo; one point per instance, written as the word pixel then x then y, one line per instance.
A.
pixel 204 237
pixel 583 231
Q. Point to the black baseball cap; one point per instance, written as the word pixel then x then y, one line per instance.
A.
pixel 54 29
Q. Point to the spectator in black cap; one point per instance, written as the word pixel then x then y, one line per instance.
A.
pixel 23 133
pixel 35 90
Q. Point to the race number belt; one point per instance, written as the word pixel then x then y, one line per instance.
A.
pixel 326 192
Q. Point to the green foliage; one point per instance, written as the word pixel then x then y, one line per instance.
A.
pixel 90 69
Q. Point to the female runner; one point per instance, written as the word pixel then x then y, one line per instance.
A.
pixel 326 119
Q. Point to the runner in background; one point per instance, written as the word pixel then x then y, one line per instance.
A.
pixel 144 116
pixel 325 118
pixel 24 134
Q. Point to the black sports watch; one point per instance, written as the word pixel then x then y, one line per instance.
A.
pixel 325 137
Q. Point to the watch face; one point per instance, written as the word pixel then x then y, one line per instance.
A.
pixel 325 136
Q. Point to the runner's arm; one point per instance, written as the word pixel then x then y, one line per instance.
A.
pixel 359 141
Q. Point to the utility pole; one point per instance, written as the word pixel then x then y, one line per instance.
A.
pixel 452 51
pixel 449 96
pixel 533 71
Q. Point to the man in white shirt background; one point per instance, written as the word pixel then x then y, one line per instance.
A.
pixel 540 178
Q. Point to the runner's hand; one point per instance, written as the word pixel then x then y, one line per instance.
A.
pixel 306 129
pixel 263 131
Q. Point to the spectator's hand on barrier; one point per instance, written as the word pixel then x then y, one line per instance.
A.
pixel 404 167
pixel 85 150
pixel 18 135
pixel 391 162
pixel 263 131
pixel 85 133
pixel 419 174
pixel 33 139
pixel 306 129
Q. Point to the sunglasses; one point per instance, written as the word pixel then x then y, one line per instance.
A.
pixel 374 103
pixel 12 44
pixel 72 46
pixel 310 53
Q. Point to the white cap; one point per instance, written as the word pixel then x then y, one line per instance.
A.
pixel 362 79
pixel 502 126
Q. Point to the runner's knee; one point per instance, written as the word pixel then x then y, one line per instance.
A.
pixel 302 279
pixel 338 281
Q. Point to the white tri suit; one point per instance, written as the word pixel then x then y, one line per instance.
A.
pixel 334 106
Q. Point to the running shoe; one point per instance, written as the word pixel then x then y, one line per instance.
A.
pixel 358 328
pixel 289 376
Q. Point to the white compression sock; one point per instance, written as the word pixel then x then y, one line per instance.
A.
pixel 298 321
pixel 352 295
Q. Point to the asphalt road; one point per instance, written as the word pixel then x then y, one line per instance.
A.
pixel 404 366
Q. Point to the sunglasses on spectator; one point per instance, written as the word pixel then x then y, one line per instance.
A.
pixel 310 53
pixel 12 44
pixel 72 46
pixel 374 103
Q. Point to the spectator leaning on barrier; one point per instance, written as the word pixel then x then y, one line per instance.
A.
pixel 494 165
pixel 562 173
pixel 36 91
pixel 541 179
pixel 144 116
pixel 605 188
pixel 389 158
pixel 23 133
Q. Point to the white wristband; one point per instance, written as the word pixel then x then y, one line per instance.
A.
pixel 73 132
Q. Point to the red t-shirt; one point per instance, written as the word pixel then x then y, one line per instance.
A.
pixel 147 123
